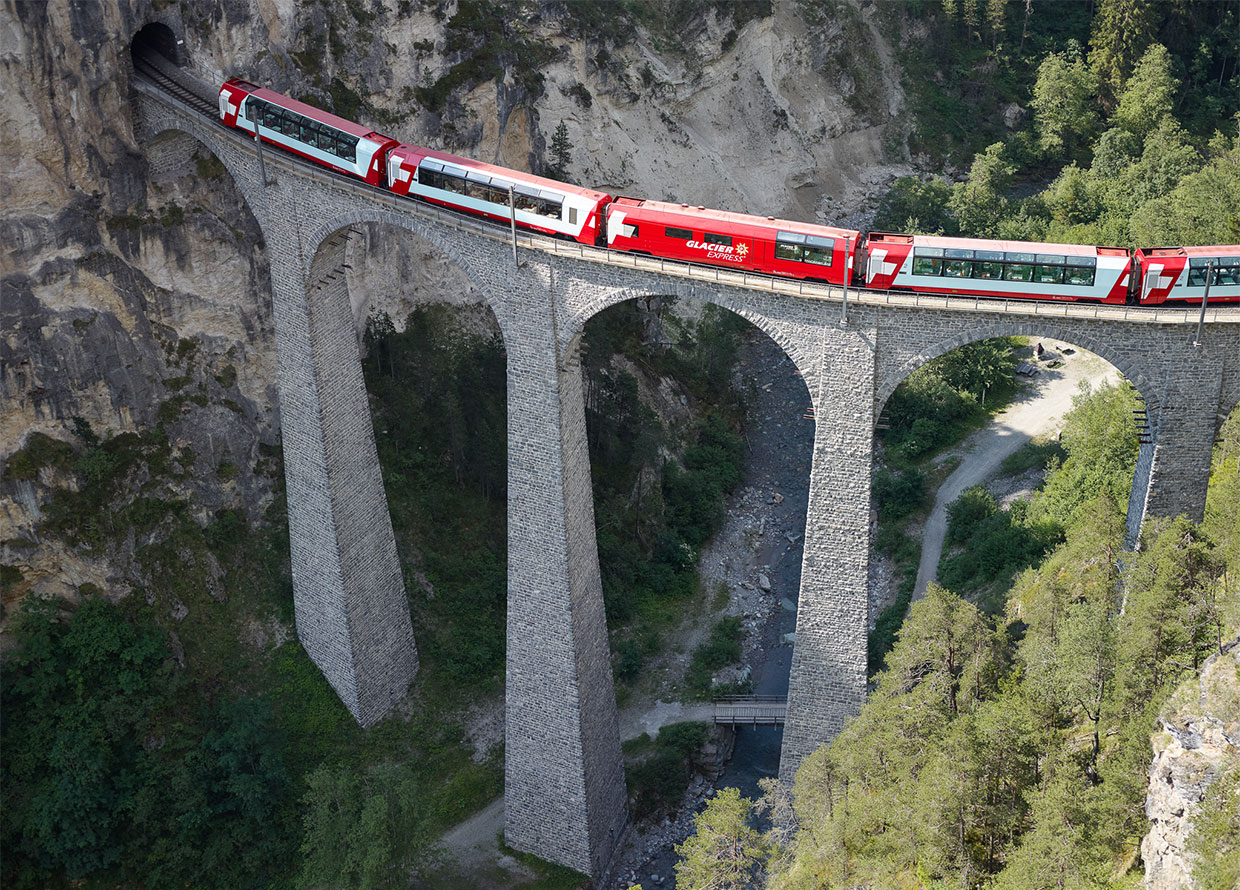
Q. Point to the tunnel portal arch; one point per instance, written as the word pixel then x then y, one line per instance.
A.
pixel 157 38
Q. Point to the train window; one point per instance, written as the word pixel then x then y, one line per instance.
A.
pixel 785 251
pixel 1018 271
pixel 1048 274
pixel 679 234
pixel 793 237
pixel 1050 260
pixel 1229 275
pixel 818 255
pixel 712 238
pixel 453 183
pixel 527 203
pixel 987 269
pixel 309 135
pixel 572 216
pixel 956 253
pixel 1018 257
pixel 957 268
pixel 549 208
pixel 928 251
pixel 1082 275
pixel 476 190
pixel 927 265
pixel 1197 276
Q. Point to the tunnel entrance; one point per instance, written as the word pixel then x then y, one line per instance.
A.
pixel 156 38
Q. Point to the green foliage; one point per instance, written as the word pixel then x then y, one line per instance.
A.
pixel 651 514
pixel 440 425
pixel 40 451
pixel 1100 439
pixel 657 779
pixel 942 401
pixel 114 767
pixel 1064 103
pixel 1017 756
pixel 725 851
pixel 561 152
pixel 1214 843
pixel 722 648
pixel 363 829
pixel 918 206
pixel 1149 94
pixel 1122 30
pixel 897 494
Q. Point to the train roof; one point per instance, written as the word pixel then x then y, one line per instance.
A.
pixel 995 244
pixel 318 114
pixel 743 219
pixel 516 176
pixel 1210 250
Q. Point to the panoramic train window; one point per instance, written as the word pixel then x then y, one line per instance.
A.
pixel 804 248
pixel 988 264
pixel 1078 275
pixel 818 250
pixel 681 234
pixel 302 129
pixel 928 261
pixel 1018 267
pixel 1226 271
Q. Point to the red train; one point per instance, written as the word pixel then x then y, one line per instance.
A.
pixel 914 263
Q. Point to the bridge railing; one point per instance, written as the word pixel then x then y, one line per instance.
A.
pixel 351 187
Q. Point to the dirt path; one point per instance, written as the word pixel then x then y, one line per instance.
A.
pixel 1039 411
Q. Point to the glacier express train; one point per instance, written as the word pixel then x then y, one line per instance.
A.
pixel 696 234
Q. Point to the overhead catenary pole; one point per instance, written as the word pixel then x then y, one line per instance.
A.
pixel 1205 298
pixel 258 147
pixel 512 215
pixel 847 272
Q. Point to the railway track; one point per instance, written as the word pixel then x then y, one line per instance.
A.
pixel 150 70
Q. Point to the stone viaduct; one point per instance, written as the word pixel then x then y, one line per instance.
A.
pixel 564 784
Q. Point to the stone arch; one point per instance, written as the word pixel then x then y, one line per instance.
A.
pixel 448 246
pixel 887 383
pixel 676 287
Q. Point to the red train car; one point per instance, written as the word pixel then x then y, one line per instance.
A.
pixel 543 205
pixel 1178 274
pixel 305 130
pixel 734 240
pixel 997 269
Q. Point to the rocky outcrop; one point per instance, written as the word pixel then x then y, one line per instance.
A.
pixel 1199 742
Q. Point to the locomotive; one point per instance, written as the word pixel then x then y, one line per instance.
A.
pixel 912 263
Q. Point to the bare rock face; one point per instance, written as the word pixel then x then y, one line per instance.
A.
pixel 1199 742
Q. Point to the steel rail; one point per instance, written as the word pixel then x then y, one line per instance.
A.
pixel 348 186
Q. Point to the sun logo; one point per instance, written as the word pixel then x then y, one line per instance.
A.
pixel 742 249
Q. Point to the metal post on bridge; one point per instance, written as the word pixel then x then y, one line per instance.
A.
pixel 1205 298
pixel 258 147
pixel 512 216
pixel 847 273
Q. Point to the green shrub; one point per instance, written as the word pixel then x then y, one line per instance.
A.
pixel 898 494
pixel 40 451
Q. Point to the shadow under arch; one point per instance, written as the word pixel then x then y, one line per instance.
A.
pixel 424 231
pixel 690 289
pixel 779 458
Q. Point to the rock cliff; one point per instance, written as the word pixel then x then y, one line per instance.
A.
pixel 1199 743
